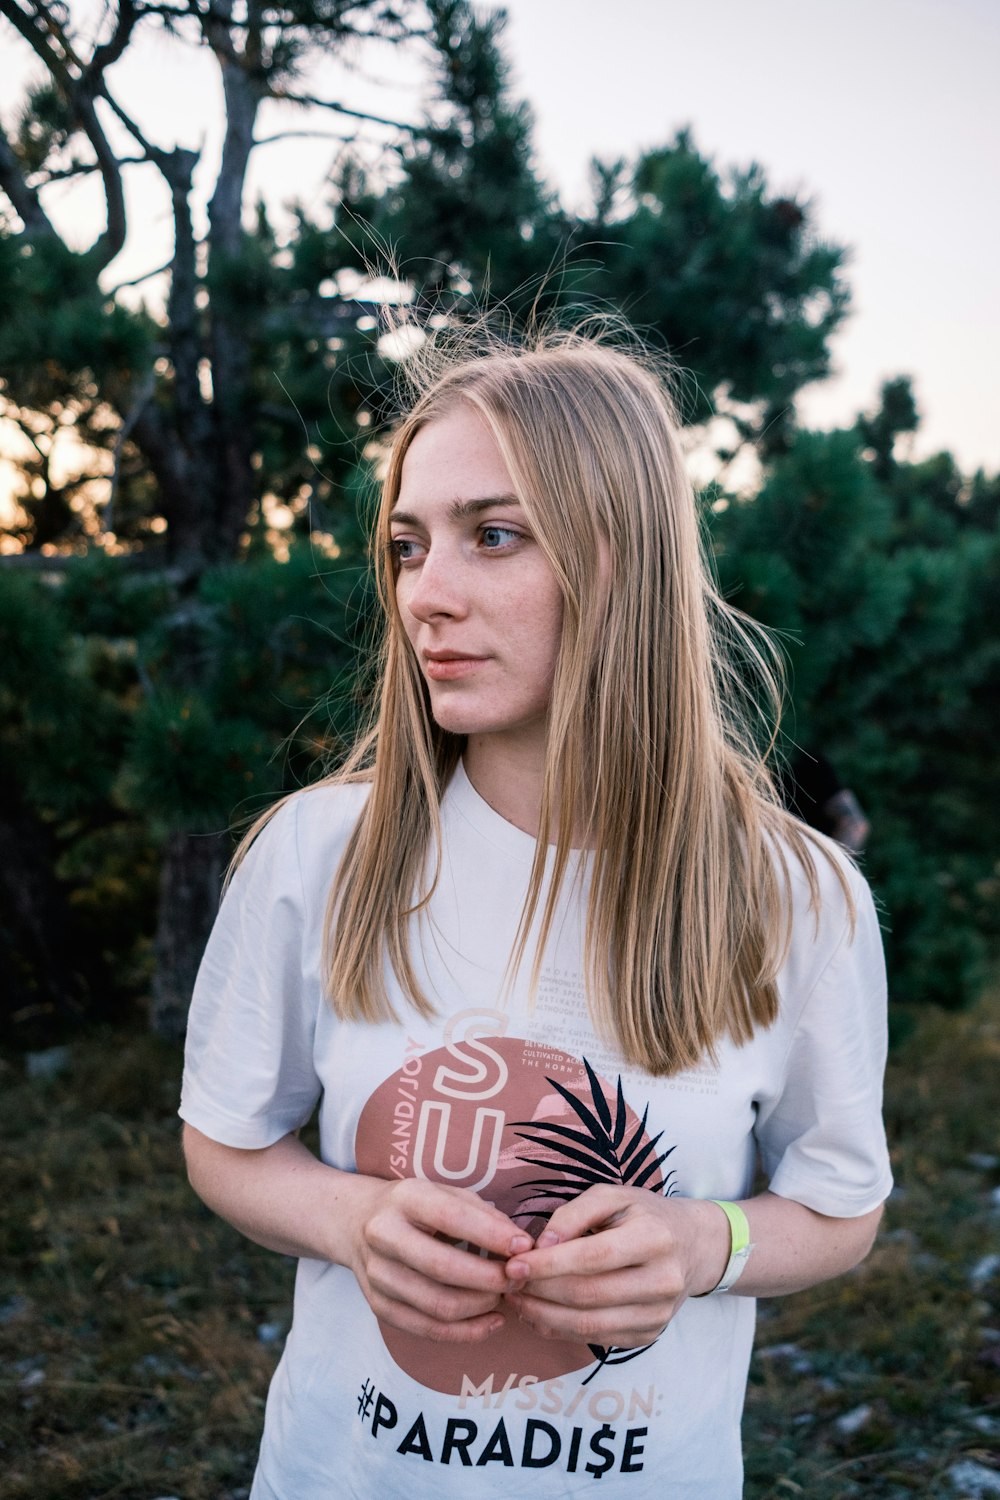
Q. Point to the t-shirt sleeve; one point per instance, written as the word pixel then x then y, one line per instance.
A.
pixel 249 1077
pixel 821 1139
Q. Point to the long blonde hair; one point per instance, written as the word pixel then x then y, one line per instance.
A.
pixel 651 744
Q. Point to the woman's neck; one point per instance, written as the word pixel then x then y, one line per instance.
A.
pixel 509 776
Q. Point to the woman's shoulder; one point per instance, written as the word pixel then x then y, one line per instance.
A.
pixel 834 869
pixel 309 829
pixel 329 803
pixel 829 897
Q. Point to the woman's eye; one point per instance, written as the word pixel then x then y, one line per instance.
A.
pixel 495 537
pixel 403 549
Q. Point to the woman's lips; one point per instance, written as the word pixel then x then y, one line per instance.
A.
pixel 448 668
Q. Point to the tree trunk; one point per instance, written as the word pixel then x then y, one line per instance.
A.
pixel 190 884
pixel 235 484
pixel 41 985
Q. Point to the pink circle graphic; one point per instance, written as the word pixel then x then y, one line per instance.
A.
pixel 490 1114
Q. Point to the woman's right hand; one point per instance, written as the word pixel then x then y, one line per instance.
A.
pixel 418 1257
pixel 400 1238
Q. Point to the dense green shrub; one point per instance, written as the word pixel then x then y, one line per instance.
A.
pixel 878 574
pixel 129 711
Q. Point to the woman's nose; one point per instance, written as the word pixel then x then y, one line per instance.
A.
pixel 436 588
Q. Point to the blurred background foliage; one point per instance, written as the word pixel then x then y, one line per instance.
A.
pixel 185 609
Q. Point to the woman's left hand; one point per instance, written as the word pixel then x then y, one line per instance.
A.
pixel 615 1264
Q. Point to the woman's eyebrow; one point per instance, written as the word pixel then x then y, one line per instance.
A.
pixel 459 510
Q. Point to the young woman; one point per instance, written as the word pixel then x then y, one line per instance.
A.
pixel 560 975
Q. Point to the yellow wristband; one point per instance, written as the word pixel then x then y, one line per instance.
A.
pixel 739 1246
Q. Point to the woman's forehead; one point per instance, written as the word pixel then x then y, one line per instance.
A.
pixel 454 458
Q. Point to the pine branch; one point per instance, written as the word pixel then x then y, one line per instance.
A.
pixel 292 135
pixel 36 30
pixel 143 395
pixel 79 89
pixel 138 280
pixel 167 12
pixel 315 101
pixel 83 169
pixel 24 198
pixel 151 153
pixel 109 52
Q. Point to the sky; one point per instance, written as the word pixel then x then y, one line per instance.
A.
pixel 884 113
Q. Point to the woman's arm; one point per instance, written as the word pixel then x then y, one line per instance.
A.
pixel 795 1247
pixel 393 1235
pixel 615 1264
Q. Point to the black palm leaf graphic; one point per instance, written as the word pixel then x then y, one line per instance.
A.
pixel 602 1151
pixel 580 1158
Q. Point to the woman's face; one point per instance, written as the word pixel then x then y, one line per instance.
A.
pixel 478 600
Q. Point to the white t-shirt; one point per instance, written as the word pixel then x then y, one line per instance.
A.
pixel 359 1410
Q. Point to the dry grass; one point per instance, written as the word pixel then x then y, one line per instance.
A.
pixel 131 1364
pixel 909 1344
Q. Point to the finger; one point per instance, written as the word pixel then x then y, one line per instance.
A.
pixel 410 1320
pixel 395 1239
pixel 591 1211
pixel 446 1233
pixel 627 1327
pixel 461 1216
pixel 594 1254
pixel 656 1288
pixel 398 1283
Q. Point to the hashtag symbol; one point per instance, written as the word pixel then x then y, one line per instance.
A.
pixel 365 1399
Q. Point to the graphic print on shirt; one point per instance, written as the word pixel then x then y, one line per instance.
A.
pixel 527 1127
